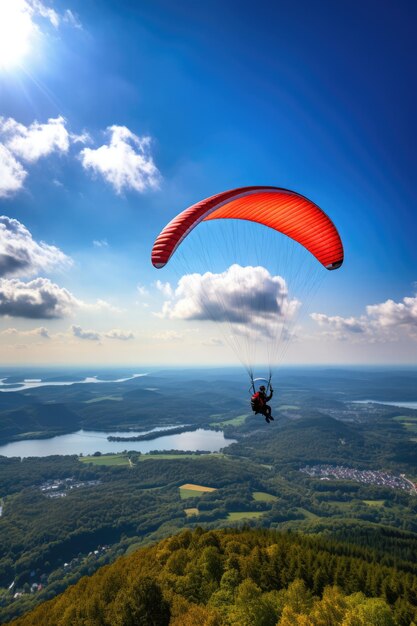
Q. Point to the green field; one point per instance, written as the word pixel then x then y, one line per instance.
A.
pixel 262 496
pixel 308 514
pixel 189 493
pixel 377 503
pixel 240 515
pixel 194 491
pixel 168 457
pixel 234 421
pixel 106 459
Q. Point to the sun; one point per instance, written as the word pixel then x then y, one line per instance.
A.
pixel 17 31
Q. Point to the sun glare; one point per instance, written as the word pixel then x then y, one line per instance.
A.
pixel 16 32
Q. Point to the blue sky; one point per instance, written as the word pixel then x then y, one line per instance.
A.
pixel 316 97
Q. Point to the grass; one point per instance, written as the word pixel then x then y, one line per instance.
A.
pixel 262 496
pixel 106 459
pixel 376 503
pixel 191 511
pixel 240 515
pixel 234 421
pixel 168 457
pixel 405 418
pixel 193 491
pixel 308 514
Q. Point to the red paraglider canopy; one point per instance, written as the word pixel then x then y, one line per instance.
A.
pixel 285 211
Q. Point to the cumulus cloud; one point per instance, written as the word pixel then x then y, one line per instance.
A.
pixel 12 173
pixel 164 288
pixel 30 143
pixel 21 255
pixel 122 335
pixel 340 324
pixel 125 162
pixel 90 335
pixel 385 321
pixel 390 314
pixel 240 296
pixel 37 332
pixel 36 299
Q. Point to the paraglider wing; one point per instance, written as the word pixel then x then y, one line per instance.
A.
pixel 280 209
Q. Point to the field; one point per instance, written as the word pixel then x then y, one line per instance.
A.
pixel 308 514
pixel 236 516
pixel 106 459
pixel 168 457
pixel 235 421
pixel 377 503
pixel 191 511
pixel 192 491
pixel 262 496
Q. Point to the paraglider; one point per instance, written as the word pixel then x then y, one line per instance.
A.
pixel 254 301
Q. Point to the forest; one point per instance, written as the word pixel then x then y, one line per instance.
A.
pixel 129 500
pixel 239 578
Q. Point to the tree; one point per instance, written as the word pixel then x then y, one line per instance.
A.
pixel 141 604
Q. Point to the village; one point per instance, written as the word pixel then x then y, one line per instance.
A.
pixel 59 487
pixel 369 477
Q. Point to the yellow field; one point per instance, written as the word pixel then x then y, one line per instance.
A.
pixel 191 487
pixel 191 512
pixel 193 491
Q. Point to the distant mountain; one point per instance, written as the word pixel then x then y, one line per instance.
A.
pixel 38 419
pixel 239 578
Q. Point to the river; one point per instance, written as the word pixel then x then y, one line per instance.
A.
pixel 87 442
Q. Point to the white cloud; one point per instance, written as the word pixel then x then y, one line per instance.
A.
pixel 90 335
pixel 30 143
pixel 100 243
pixel 72 19
pixel 386 321
pixel 169 335
pixel 391 314
pixel 37 299
pixel 164 288
pixel 341 324
pixel 213 342
pixel 40 8
pixel 12 173
pixel 21 255
pixel 37 8
pixel 142 290
pixel 82 138
pixel 125 162
pixel 37 332
pixel 240 296
pixel 122 335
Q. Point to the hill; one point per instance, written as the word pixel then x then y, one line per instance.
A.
pixel 239 577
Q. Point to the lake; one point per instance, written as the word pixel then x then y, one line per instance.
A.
pixel 33 383
pixel 405 405
pixel 87 442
